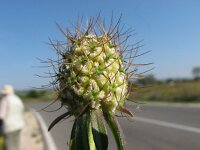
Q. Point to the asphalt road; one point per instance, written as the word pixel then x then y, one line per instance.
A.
pixel 154 127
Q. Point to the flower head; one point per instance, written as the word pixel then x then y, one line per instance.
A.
pixel 92 81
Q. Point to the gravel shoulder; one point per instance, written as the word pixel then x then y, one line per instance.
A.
pixel 31 136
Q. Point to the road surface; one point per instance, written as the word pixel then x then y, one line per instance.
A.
pixel 154 127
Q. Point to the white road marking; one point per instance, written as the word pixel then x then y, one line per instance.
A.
pixel 49 142
pixel 168 124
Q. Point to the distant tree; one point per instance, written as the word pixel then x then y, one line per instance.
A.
pixel 35 93
pixel 196 72
pixel 149 79
pixel 169 80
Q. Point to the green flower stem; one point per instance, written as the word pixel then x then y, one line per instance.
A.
pixel 116 130
pixel 90 136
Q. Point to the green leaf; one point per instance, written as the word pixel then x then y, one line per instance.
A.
pixel 76 136
pixel 90 137
pixel 99 131
pixel 67 114
pixel 72 138
pixel 81 136
pixel 116 130
pixel 84 128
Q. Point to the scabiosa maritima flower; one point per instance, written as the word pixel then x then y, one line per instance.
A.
pixel 92 81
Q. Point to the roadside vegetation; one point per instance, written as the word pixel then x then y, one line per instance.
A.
pixel 170 90
pixel 30 96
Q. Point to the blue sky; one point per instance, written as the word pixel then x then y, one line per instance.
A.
pixel 171 29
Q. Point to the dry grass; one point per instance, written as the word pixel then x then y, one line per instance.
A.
pixel 169 92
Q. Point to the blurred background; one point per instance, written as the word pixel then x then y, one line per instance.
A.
pixel 169 29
